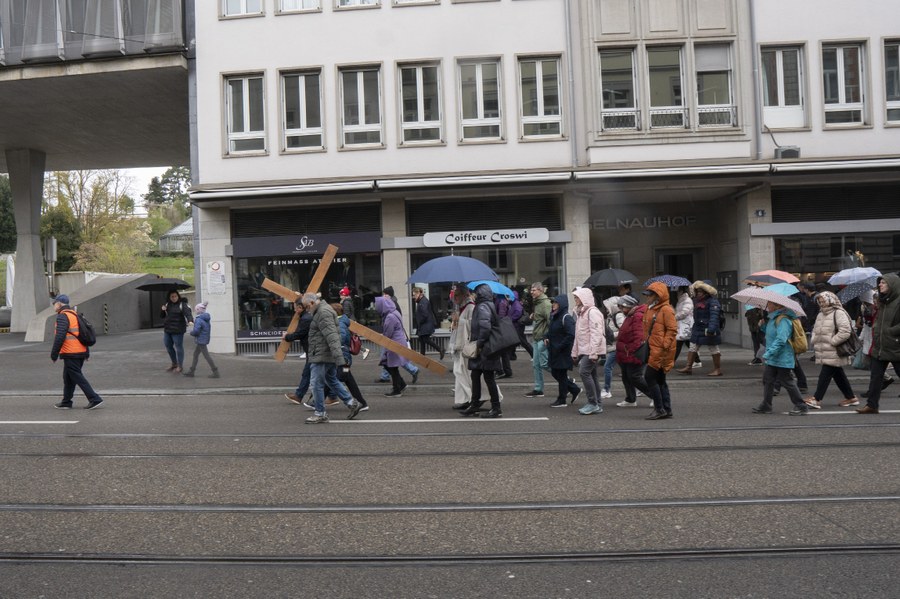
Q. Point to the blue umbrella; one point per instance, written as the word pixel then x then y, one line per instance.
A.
pixel 496 288
pixel 854 275
pixel 783 289
pixel 452 269
pixel 854 290
pixel 670 281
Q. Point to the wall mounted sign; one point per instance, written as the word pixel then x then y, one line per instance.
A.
pixel 312 243
pixel 644 222
pixel 486 237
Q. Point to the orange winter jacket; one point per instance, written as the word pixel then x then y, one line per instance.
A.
pixel 661 334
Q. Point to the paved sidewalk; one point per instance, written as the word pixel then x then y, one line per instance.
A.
pixel 135 364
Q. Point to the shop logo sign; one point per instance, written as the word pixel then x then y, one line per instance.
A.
pixel 486 237
pixel 305 244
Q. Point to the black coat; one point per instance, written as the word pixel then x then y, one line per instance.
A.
pixel 561 336
pixel 176 316
pixel 424 317
pixel 483 319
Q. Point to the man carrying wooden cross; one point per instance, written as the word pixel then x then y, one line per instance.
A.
pixel 325 356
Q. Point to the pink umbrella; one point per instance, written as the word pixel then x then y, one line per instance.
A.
pixel 760 298
pixel 770 277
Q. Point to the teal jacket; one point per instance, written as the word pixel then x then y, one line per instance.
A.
pixel 779 352
pixel 886 330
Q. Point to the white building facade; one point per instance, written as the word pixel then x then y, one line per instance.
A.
pixel 548 138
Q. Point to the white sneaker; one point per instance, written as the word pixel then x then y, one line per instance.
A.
pixel 605 394
pixel 697 365
pixel 638 394
pixel 625 404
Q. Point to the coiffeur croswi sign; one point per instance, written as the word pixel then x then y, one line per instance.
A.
pixel 486 237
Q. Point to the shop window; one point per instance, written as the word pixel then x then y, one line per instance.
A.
pixel 498 260
pixel 782 89
pixel 892 80
pixel 244 104
pixel 842 72
pixel 539 88
pixel 420 94
pixel 361 107
pixel 302 111
pixel 479 91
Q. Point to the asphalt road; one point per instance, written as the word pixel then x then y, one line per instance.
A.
pixel 221 491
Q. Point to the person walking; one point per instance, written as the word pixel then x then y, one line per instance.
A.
pixel 589 349
pixel 460 331
pixel 392 328
pixel 73 353
pixel 518 318
pixel 885 340
pixel 613 318
pixel 707 329
pixel 779 360
pixel 345 375
pixel 684 317
pixel 408 366
pixel 347 303
pixel 201 332
pixel 560 339
pixel 660 329
pixel 755 317
pixel 832 327
pixel 503 305
pixel 301 334
pixel 176 315
pixel 424 321
pixel 631 336
pixel 483 320
pixel 325 356
pixel 540 318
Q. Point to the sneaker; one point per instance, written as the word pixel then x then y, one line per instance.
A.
pixel 575 395
pixel 188 373
pixel 761 410
pixel 697 365
pixel 627 404
pixel 394 394
pixel 331 402
pixel 853 401
pixel 559 403
pixel 492 414
pixel 754 362
pixel 415 377
pixel 365 408
pixel 886 382
pixel 811 402
pixel 317 419
pixel 535 393
pixel 292 397
pixel 93 405
pixel 302 356
pixel 364 352
pixel 63 405
pixel 309 404
pixel 799 412
pixel 214 375
pixel 638 394
pixel 589 409
pixel 354 410
pixel 605 394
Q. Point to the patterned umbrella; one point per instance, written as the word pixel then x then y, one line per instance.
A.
pixel 854 290
pixel 854 275
pixel 761 296
pixel 770 277
pixel 670 281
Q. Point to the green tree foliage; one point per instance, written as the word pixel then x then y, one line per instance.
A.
pixel 59 221
pixel 7 217
pixel 120 249
pixel 167 200
pixel 96 198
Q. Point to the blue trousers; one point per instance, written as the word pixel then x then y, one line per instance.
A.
pixel 322 374
pixel 174 343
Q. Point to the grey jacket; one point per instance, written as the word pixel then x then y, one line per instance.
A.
pixel 325 337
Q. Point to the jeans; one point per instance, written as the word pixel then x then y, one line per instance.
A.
pixel 72 377
pixel 325 373
pixel 607 370
pixel 539 362
pixel 876 375
pixel 303 386
pixel 587 370
pixel 174 343
pixel 840 378
pixel 773 375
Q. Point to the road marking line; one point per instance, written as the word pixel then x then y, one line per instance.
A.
pixel 441 420
pixel 38 421
pixel 823 412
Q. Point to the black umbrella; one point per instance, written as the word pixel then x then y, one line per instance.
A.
pixel 164 284
pixel 610 277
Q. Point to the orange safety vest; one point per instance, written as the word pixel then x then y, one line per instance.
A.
pixel 72 345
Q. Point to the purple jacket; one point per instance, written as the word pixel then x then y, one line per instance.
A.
pixel 392 328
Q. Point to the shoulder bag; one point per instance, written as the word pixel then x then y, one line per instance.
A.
pixel 851 345
pixel 642 353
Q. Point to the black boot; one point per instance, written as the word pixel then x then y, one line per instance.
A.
pixel 493 413
pixel 474 408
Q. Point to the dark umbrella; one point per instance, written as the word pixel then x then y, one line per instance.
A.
pixel 610 277
pixel 450 269
pixel 670 281
pixel 164 284
pixel 854 290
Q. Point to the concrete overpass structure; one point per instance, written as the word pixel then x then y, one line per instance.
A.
pixel 87 84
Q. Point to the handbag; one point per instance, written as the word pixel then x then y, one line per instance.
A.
pixel 851 345
pixel 470 349
pixel 503 336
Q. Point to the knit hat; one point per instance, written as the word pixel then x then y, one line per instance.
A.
pixel 201 308
pixel 627 301
pixel 61 298
pixel 345 291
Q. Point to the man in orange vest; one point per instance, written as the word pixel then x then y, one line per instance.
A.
pixel 73 353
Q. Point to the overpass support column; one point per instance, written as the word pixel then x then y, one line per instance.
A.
pixel 26 178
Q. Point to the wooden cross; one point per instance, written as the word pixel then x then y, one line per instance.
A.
pixel 361 330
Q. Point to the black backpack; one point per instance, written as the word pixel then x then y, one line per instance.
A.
pixel 86 334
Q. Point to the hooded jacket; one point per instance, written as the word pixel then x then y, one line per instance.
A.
pixel 631 335
pixel 392 328
pixel 707 328
pixel 779 352
pixel 541 318
pixel 483 318
pixel 324 337
pixel 661 334
pixel 202 328
pixel 886 329
pixel 589 328
pixel 832 327
pixel 561 336
pixel 684 315
pixel 616 318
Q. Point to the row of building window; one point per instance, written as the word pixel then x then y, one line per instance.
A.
pixel 246 8
pixel 479 98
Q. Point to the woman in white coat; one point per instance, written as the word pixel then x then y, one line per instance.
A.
pixel 684 319
pixel 461 328
pixel 832 327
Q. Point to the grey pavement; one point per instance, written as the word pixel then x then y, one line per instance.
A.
pixel 135 364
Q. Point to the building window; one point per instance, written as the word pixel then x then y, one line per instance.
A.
pixel 235 8
pixel 665 84
pixel 285 6
pixel 246 123
pixel 892 80
pixel 540 90
pixel 420 94
pixel 479 90
pixel 781 88
pixel 361 106
pixel 715 99
pixel 619 110
pixel 842 72
pixel 302 124
pixel 356 3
